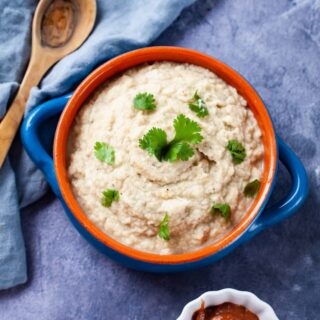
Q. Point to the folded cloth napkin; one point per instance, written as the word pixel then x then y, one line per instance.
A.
pixel 121 25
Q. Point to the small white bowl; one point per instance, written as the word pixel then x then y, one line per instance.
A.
pixel 243 298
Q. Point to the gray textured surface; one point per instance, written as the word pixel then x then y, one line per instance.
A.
pixel 275 44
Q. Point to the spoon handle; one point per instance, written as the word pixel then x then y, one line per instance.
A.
pixel 11 121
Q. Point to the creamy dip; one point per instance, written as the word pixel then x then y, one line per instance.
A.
pixel 148 188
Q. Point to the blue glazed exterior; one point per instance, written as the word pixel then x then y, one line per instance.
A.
pixel 34 140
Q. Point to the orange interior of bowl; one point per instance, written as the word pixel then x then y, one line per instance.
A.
pixel 131 59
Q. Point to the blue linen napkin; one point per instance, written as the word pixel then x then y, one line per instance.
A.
pixel 121 25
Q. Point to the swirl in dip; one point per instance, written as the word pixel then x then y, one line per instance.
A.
pixel 148 189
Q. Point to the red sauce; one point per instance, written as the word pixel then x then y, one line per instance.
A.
pixel 225 311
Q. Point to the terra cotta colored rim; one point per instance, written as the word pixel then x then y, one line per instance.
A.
pixel 132 59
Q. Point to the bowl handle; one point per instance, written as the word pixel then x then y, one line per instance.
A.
pixel 32 142
pixel 293 200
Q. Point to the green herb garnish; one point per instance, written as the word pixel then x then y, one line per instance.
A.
pixel 221 208
pixel 154 142
pixel 198 106
pixel 104 152
pixel 252 188
pixel 237 151
pixel 187 134
pixel 144 101
pixel 164 228
pixel 109 196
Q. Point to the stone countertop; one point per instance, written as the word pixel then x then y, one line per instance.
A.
pixel 275 44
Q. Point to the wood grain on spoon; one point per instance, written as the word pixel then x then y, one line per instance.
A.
pixel 59 27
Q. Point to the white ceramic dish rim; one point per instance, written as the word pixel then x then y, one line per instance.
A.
pixel 244 298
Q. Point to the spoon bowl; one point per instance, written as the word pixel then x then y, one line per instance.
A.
pixel 62 25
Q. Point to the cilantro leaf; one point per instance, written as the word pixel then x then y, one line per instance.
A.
pixel 109 196
pixel 198 106
pixel 237 151
pixel 164 232
pixel 187 130
pixel 179 150
pixel 252 188
pixel 154 142
pixel 144 101
pixel 187 133
pixel 221 208
pixel 104 152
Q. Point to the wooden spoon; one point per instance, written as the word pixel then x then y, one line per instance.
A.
pixel 59 27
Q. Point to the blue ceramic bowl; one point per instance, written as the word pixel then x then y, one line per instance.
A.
pixel 38 130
